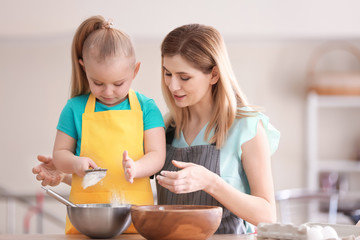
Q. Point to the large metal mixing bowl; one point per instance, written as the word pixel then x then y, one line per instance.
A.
pixel 100 220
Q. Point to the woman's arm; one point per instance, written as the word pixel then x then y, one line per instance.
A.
pixel 64 157
pixel 254 208
pixel 260 206
pixel 152 161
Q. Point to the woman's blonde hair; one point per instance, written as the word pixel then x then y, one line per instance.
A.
pixel 97 34
pixel 203 47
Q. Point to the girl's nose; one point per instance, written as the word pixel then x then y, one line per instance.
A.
pixel 108 90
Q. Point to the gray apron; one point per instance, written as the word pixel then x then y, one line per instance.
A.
pixel 209 157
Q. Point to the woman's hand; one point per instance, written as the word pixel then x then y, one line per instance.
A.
pixel 47 173
pixel 129 167
pixel 190 178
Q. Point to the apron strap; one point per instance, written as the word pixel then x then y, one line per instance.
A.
pixel 133 100
pixel 170 133
pixel 90 105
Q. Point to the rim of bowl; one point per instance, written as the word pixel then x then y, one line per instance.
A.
pixel 173 208
pixel 102 205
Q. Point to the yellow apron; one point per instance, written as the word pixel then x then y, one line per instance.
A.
pixel 105 136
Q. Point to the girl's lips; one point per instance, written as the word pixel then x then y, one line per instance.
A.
pixel 108 99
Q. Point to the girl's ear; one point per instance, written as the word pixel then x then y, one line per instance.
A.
pixel 136 69
pixel 215 75
pixel 82 63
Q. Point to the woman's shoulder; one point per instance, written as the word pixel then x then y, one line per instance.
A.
pixel 248 115
pixel 249 118
pixel 245 127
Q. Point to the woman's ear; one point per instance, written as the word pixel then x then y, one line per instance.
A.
pixel 215 75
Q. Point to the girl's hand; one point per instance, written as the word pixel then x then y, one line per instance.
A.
pixel 47 173
pixel 129 167
pixel 190 178
pixel 81 164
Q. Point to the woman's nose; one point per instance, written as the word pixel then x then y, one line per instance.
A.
pixel 173 84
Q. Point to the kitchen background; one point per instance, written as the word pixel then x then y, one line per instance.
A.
pixel 270 44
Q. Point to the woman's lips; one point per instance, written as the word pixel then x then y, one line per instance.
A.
pixel 179 97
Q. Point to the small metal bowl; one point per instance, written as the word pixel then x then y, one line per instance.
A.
pixel 100 220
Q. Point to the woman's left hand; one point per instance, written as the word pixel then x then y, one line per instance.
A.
pixel 190 178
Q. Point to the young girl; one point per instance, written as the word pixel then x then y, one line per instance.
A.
pixel 221 146
pixel 105 123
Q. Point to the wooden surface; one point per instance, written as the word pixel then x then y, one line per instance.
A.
pixel 122 236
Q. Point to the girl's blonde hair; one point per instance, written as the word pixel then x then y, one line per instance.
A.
pixel 96 34
pixel 203 47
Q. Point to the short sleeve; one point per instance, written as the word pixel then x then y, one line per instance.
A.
pixel 249 130
pixel 66 122
pixel 153 117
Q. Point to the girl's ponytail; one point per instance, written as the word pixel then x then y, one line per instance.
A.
pixel 79 83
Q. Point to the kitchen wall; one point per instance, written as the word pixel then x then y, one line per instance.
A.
pixel 269 43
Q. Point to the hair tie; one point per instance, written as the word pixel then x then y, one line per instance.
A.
pixel 108 24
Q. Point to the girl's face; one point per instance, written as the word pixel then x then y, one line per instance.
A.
pixel 189 86
pixel 111 79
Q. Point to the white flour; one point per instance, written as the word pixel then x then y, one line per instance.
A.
pixel 92 178
pixel 117 198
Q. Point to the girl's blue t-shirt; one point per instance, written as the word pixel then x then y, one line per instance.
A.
pixel 70 121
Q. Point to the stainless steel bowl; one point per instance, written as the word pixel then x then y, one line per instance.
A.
pixel 100 220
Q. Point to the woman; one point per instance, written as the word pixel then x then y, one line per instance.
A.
pixel 221 146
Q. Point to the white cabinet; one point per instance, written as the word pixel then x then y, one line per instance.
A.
pixel 314 164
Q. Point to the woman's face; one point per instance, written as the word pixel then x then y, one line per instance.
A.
pixel 111 79
pixel 189 86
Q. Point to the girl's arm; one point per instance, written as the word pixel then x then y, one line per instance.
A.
pixel 255 208
pixel 152 161
pixel 64 157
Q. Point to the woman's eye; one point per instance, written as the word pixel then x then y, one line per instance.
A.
pixel 184 78
pixel 118 84
pixel 168 74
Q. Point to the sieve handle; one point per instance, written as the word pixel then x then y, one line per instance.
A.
pixel 59 197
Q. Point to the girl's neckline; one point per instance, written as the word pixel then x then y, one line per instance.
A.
pixel 104 106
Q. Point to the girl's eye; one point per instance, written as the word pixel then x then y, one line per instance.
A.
pixel 98 84
pixel 184 78
pixel 118 84
pixel 168 74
